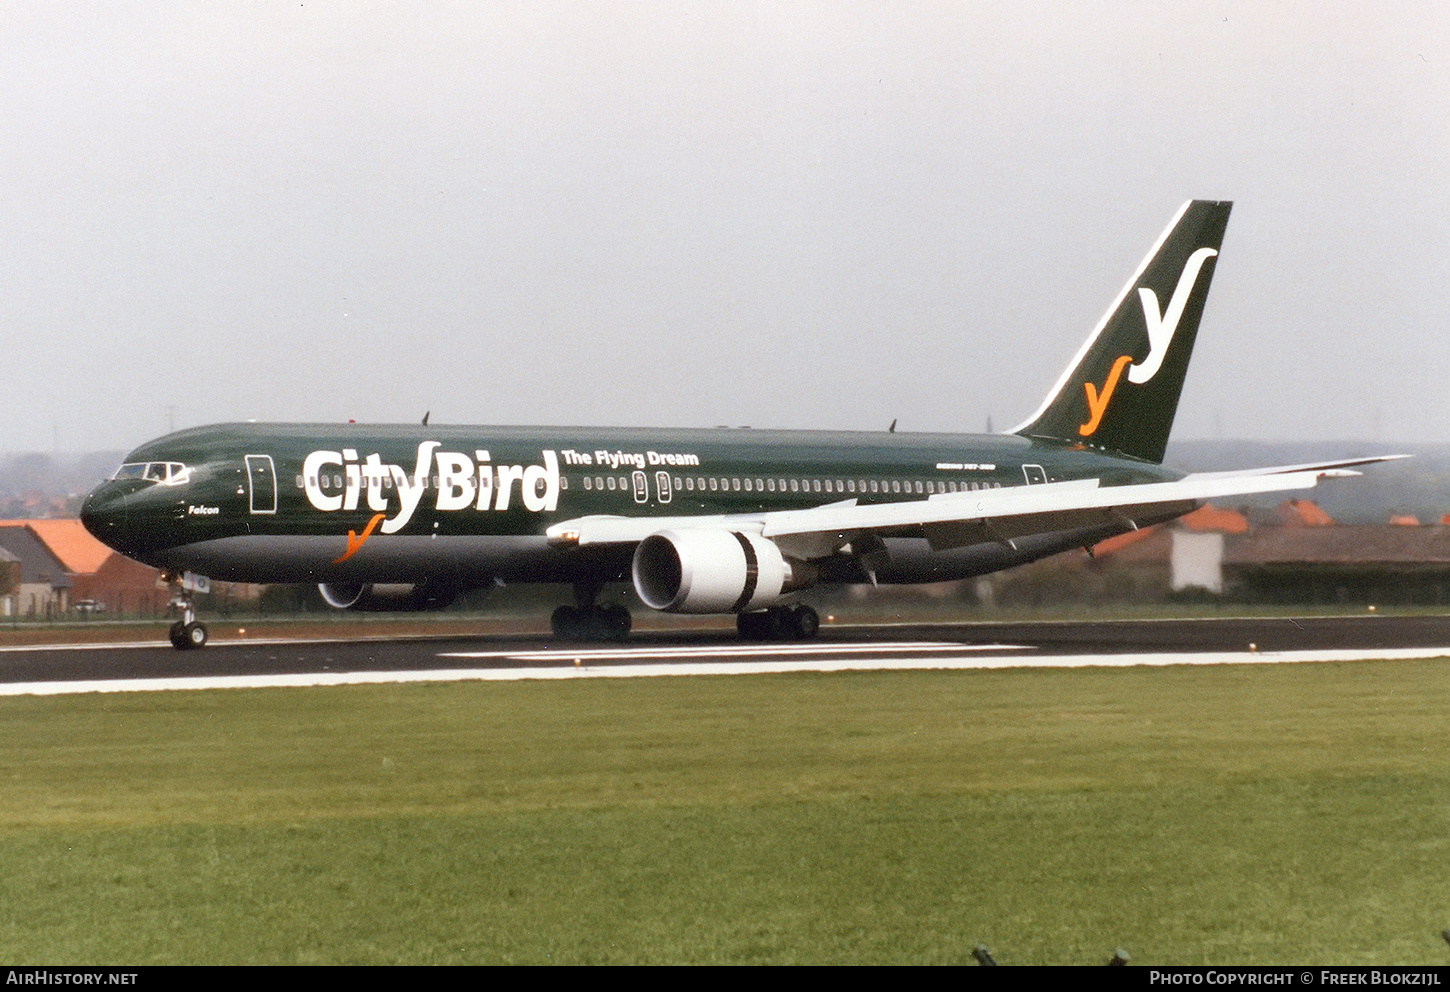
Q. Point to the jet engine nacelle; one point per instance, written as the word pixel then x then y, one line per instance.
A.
pixel 382 597
pixel 713 571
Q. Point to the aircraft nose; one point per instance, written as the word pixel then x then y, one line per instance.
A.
pixel 102 515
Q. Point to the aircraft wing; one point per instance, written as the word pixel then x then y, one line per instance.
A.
pixel 955 519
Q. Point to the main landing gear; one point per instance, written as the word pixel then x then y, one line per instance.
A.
pixel 589 621
pixel 779 623
pixel 186 633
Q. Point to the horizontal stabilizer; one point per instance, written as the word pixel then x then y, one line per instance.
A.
pixel 1325 469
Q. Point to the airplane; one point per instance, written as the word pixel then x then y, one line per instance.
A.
pixel 725 521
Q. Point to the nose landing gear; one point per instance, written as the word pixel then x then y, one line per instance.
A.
pixel 186 633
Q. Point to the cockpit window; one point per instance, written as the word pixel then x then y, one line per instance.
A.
pixel 166 473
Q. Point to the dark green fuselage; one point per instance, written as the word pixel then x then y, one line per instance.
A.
pixel 463 505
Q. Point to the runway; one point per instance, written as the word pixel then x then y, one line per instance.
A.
pixel 156 666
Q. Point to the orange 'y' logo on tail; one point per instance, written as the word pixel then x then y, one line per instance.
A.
pixel 355 543
pixel 1098 404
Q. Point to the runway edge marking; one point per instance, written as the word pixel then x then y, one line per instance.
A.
pixel 715 668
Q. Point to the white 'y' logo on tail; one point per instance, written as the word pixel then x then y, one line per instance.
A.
pixel 1161 325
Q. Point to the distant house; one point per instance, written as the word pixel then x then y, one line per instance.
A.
pixel 69 541
pixel 9 582
pixel 1198 545
pixel 1386 563
pixel 98 574
pixel 101 578
pixel 1174 557
pixel 1295 553
pixel 44 589
pixel 121 586
pixel 1298 554
pixel 1303 513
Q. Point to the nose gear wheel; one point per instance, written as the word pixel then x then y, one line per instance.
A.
pixel 186 634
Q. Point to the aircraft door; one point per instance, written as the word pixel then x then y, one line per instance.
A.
pixel 262 483
pixel 662 487
pixel 641 487
pixel 1034 474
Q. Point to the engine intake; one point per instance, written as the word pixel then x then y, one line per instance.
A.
pixel 714 571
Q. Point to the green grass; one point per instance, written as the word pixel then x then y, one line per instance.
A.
pixel 1249 814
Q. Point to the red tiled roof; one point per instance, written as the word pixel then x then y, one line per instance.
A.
pixel 1206 518
pixel 69 541
pixel 1210 517
pixel 1304 513
pixel 1120 541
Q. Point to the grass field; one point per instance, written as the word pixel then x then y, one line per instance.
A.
pixel 1255 814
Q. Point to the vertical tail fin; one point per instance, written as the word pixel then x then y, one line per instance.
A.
pixel 1122 388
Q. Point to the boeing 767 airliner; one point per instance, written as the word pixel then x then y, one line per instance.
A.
pixel 698 521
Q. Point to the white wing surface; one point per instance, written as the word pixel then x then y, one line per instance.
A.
pixel 956 519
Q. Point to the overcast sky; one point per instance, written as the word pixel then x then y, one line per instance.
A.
pixel 804 215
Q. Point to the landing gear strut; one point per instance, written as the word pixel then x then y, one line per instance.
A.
pixel 588 621
pixel 186 633
pixel 779 623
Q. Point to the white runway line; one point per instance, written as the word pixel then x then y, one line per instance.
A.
pixel 547 654
pixel 119 645
pixel 733 651
pixel 240 642
pixel 927 663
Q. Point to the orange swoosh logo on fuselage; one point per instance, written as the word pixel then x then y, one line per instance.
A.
pixel 355 543
pixel 1098 404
